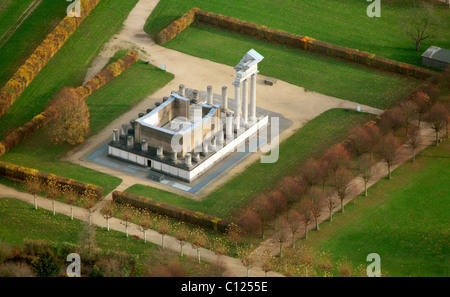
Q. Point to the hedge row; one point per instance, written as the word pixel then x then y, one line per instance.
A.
pixel 18 135
pixel 177 26
pixel 20 173
pixel 115 69
pixel 177 213
pixel 41 56
pixel 108 74
pixel 298 41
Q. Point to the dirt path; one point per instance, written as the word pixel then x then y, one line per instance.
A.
pixel 291 101
pixel 355 189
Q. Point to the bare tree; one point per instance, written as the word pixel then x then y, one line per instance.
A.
pixel 388 150
pixel 337 156
pixel 414 140
pixel 331 205
pixel 245 255
pixel 319 202
pixel 311 172
pixel 198 240
pixel 268 262
pixel 409 111
pixel 294 220
pixel 342 180
pixel 420 22
pixel 163 227
pixel 375 135
pixel 392 120
pixel 280 233
pixel 422 102
pixel 306 214
pixel 145 223
pixel 52 192
pixel 107 212
pixel 292 188
pixel 70 198
pixel 181 235
pixel 127 215
pixel 234 233
pixel 34 187
pixel 250 223
pixel 278 200
pixel 89 203
pixel 324 172
pixel 437 116
pixel 306 257
pixel 359 142
pixel 265 210
pixel 366 170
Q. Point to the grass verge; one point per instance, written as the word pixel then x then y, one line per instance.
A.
pixel 404 220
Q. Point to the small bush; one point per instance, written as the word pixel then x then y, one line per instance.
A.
pixel 46 265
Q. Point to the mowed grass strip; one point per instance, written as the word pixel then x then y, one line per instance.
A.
pixel 404 220
pixel 314 72
pixel 343 23
pixel 106 104
pixel 68 67
pixel 310 141
pixel 28 35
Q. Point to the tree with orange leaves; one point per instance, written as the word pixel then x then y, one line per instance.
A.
pixel 71 115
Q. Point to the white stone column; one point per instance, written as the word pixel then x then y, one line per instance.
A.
pixel 181 90
pixel 253 98
pixel 237 101
pixel 245 102
pixel 225 98
pixel 229 127
pixel 210 95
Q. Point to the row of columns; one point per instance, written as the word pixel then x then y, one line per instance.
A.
pixel 243 109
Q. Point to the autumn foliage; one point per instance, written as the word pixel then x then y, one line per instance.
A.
pixel 108 74
pixel 54 110
pixel 41 56
pixel 62 184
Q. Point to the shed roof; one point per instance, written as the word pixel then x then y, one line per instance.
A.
pixel 438 54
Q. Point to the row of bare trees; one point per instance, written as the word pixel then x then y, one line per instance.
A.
pixel 325 183
pixel 51 190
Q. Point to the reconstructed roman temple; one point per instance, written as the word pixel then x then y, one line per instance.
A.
pixel 186 134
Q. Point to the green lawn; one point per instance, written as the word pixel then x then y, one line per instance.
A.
pixel 106 104
pixel 315 72
pixel 311 140
pixel 29 35
pixel 68 67
pixel 19 220
pixel 339 22
pixel 404 220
